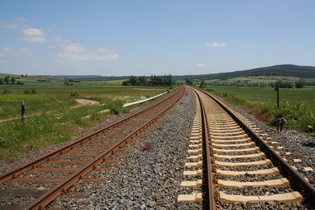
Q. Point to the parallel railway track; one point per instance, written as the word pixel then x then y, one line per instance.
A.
pixel 60 169
pixel 239 168
pixel 230 163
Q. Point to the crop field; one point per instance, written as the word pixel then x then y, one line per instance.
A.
pixel 51 117
pixel 297 106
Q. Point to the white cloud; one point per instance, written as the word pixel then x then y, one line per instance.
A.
pixel 76 48
pixel 18 23
pixel 88 56
pixel 8 25
pixel 35 39
pixel 215 44
pixel 33 35
pixel 33 32
pixel 103 49
pixel 69 46
pixel 59 62
pixel 15 52
pixel 201 65
pixel 77 52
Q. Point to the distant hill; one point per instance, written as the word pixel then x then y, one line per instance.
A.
pixel 88 77
pixel 278 70
pixel 68 76
pixel 106 78
pixel 286 70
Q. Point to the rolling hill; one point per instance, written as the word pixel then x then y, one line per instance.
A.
pixel 286 70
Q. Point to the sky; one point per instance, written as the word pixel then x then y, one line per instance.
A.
pixel 145 37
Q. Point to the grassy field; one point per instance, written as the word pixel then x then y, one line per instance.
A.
pixel 296 105
pixel 50 118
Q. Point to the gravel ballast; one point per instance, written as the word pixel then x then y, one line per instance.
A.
pixel 146 179
pixel 150 178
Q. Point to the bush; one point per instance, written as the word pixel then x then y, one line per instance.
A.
pixel 74 93
pixel 27 91
pixel 116 106
pixel 6 91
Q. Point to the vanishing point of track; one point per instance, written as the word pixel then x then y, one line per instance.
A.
pixel 235 164
pixel 74 161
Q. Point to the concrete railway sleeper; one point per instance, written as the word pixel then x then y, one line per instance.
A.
pixel 54 173
pixel 246 172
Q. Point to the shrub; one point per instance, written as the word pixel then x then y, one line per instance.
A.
pixel 116 106
pixel 74 93
pixel 27 91
pixel 6 91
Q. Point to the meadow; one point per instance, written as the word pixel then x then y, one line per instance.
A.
pixel 297 106
pixel 50 118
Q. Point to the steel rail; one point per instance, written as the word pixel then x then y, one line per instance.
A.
pixel 209 201
pixel 304 186
pixel 30 165
pixel 63 186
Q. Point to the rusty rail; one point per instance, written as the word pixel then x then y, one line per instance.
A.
pixel 63 186
pixel 17 171
pixel 208 200
pixel 301 184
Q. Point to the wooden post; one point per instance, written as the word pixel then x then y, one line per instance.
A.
pixel 277 88
pixel 23 108
pixel 278 99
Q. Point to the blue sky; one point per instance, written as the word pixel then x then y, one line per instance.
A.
pixel 144 37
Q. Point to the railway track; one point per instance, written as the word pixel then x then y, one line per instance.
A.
pixel 54 173
pixel 232 164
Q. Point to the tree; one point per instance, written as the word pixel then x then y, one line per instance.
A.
pixel 203 83
pixel 300 83
pixel 143 81
pixel 12 80
pixel 126 83
pixel 189 82
pixel 1 81
pixel 7 80
pixel 134 80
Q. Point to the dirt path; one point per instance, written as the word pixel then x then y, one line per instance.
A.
pixel 82 102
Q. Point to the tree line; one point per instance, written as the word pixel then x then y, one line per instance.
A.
pixel 163 80
pixel 10 80
pixel 246 83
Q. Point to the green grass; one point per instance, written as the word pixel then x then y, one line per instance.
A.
pixel 49 119
pixel 296 105
pixel 48 128
pixel 11 104
pixel 45 129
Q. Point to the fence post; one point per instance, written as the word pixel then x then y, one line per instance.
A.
pixel 23 108
pixel 277 88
